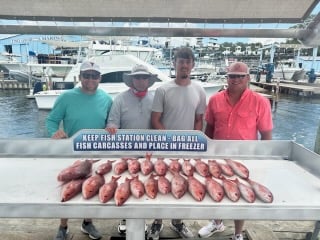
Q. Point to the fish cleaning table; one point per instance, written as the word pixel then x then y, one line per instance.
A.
pixel 29 169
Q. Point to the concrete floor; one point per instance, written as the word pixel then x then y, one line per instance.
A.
pixel 45 229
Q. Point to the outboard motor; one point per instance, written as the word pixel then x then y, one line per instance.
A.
pixel 311 76
pixel 270 71
pixel 37 87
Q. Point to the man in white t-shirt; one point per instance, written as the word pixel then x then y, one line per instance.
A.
pixel 178 105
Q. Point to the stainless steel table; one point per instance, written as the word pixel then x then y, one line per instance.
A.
pixel 29 167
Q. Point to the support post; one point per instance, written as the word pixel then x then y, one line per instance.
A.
pixel 135 229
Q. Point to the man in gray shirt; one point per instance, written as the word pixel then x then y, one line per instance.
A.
pixel 131 109
pixel 179 105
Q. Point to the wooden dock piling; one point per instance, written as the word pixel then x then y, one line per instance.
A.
pixel 13 84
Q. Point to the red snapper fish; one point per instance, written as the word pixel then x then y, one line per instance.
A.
pixel 164 185
pixel 91 185
pixel 226 169
pixel 106 191
pixel 151 187
pixel 146 165
pixel 121 166
pixel 231 189
pixel 174 165
pixel 214 189
pixel 187 167
pixel 179 185
pixel 160 167
pixel 262 192
pixel 71 189
pixel 239 169
pixel 122 192
pixel 201 168
pixel 136 187
pixel 214 168
pixel 246 191
pixel 196 188
pixel 79 169
pixel 133 166
pixel 104 168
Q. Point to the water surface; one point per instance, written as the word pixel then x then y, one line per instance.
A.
pixel 295 118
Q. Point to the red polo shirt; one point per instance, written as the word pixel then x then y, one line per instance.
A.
pixel 250 115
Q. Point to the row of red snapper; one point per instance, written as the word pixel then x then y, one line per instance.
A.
pixel 78 178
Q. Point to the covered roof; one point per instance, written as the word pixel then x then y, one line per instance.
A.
pixel 203 12
pixel 158 11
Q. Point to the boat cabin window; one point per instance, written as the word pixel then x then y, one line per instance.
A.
pixel 113 77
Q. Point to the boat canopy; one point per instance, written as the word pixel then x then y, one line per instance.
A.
pixel 205 12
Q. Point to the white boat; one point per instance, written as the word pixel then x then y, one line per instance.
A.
pixel 112 68
pixel 96 48
pixel 52 70
pixel 287 70
pixel 9 62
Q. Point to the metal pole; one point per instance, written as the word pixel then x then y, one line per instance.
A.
pixel 135 229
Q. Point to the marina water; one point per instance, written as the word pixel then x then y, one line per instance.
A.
pixel 295 118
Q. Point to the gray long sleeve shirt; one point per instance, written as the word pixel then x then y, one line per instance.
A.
pixel 131 112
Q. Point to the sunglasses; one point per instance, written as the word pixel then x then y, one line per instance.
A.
pixel 141 76
pixel 94 76
pixel 233 76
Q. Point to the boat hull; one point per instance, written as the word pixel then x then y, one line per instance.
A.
pixel 45 99
pixel 289 74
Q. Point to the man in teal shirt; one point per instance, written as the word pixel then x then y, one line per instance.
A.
pixel 85 107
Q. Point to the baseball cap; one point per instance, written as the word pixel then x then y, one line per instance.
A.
pixel 238 68
pixel 87 65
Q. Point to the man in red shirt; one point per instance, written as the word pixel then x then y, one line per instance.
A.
pixel 236 113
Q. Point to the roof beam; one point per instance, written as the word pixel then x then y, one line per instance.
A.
pixel 206 11
pixel 154 32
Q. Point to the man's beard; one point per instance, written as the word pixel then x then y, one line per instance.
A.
pixel 185 76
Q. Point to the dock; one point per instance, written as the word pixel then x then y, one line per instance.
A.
pixel 292 88
pixel 264 92
pixel 46 229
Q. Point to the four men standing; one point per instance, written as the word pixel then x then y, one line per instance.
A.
pixel 236 113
